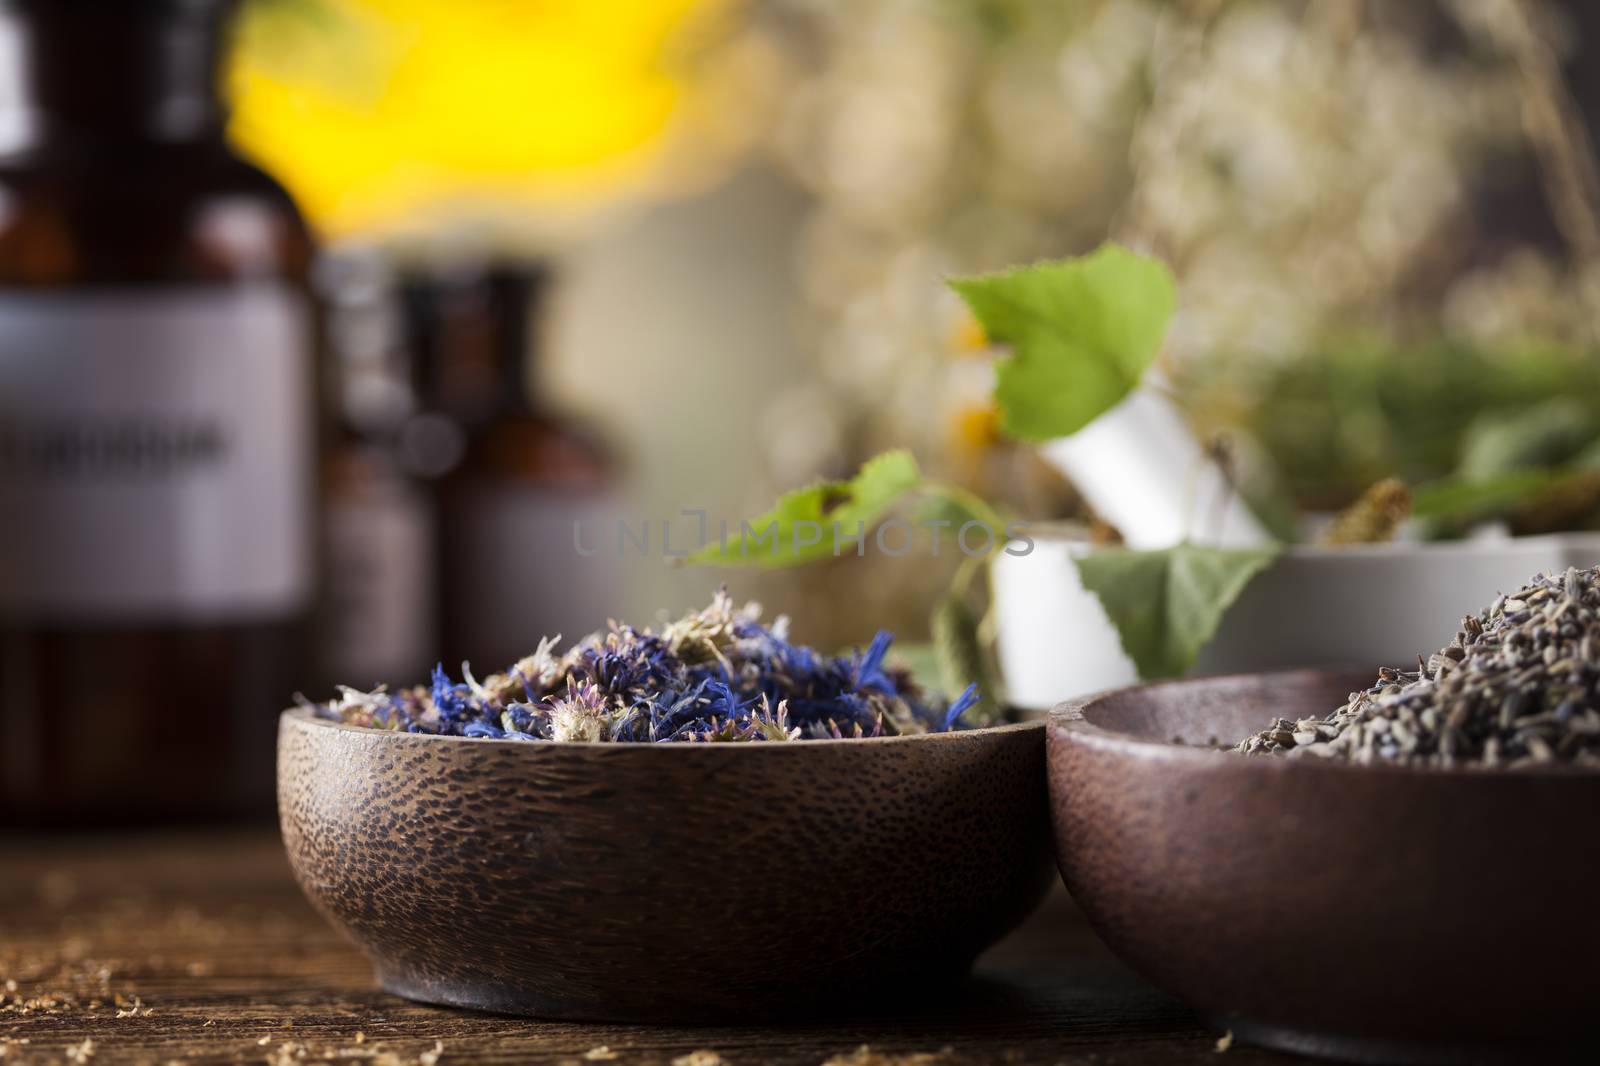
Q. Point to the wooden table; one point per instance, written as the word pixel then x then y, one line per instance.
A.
pixel 200 948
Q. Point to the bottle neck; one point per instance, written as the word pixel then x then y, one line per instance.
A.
pixel 470 338
pixel 515 297
pixel 128 70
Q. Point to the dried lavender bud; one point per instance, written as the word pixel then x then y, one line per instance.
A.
pixel 713 675
pixel 1519 686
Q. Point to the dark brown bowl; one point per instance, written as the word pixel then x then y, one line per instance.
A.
pixel 1367 913
pixel 666 883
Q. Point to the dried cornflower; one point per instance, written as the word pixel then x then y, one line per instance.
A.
pixel 714 675
pixel 1519 685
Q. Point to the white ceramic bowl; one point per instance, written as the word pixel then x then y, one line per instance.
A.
pixel 1362 606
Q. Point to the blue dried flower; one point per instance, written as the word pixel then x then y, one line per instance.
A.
pixel 714 675
pixel 870 673
pixel 963 703
pixel 451 700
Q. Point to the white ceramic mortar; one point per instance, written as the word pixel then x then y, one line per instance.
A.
pixel 1363 606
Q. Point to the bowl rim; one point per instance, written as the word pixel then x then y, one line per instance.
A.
pixel 1067 534
pixel 1067 721
pixel 307 716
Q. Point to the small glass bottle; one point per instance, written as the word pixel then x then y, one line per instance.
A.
pixel 510 573
pixel 378 612
pixel 159 419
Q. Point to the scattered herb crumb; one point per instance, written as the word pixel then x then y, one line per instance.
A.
pixel 1225 1041
pixel 286 1054
pixel 700 1057
pixel 865 1056
pixel 81 1052
pixel 132 1009
pixel 600 1054
pixel 292 1053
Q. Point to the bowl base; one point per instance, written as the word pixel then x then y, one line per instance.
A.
pixel 1344 1047
pixel 927 989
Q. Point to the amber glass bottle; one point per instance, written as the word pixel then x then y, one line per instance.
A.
pixel 509 570
pixel 378 615
pixel 158 423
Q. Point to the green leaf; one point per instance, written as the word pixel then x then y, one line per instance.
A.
pixel 1167 604
pixel 942 507
pixel 1461 499
pixel 1549 434
pixel 801 526
pixel 1082 333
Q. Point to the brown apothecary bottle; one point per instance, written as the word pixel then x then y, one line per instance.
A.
pixel 159 402
pixel 518 477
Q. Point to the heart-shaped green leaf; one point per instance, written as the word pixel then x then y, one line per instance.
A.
pixel 1082 333
pixel 1167 604
pixel 820 520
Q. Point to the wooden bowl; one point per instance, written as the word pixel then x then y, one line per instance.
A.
pixel 666 883
pixel 1366 913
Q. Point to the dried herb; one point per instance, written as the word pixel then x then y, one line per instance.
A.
pixel 1334 421
pixel 713 675
pixel 1373 519
pixel 1519 685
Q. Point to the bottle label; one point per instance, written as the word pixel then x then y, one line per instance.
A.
pixel 514 575
pixel 380 614
pixel 156 454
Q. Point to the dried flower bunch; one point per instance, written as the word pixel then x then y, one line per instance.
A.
pixel 1519 685
pixel 713 675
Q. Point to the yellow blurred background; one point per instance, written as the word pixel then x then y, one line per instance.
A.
pixel 393 116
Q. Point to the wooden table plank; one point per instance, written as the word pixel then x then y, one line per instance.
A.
pixel 199 948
